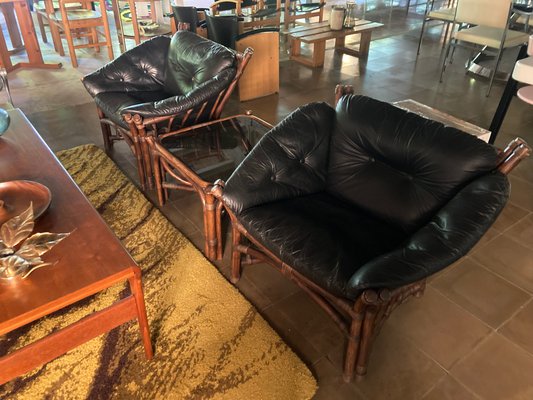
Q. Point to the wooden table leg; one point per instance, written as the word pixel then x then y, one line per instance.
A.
pixel 319 53
pixel 12 27
pixel 364 45
pixel 317 59
pixel 30 38
pixel 295 47
pixel 5 60
pixel 27 30
pixel 340 42
pixel 137 292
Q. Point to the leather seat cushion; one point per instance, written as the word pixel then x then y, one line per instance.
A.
pixel 113 102
pixel 322 237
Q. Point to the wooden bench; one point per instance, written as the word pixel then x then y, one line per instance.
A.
pixel 317 34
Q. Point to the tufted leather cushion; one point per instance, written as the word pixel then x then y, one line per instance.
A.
pixel 139 69
pixel 163 76
pixel 289 161
pixel 193 60
pixel 400 166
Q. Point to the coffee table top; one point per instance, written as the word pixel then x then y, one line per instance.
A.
pixel 213 150
pixel 442 117
pixel 87 261
pixel 321 30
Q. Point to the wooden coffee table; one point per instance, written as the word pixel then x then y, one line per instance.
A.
pixel 88 261
pixel 317 34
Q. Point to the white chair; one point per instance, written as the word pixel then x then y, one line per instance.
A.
pixel 487 26
pixel 444 14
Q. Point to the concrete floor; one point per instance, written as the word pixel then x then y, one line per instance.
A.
pixel 469 336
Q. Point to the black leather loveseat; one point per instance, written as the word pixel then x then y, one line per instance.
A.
pixel 360 204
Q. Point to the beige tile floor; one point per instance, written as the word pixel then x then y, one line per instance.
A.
pixel 471 335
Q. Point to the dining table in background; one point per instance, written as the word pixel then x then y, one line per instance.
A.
pixel 22 35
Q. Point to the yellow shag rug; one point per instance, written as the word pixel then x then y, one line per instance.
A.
pixel 209 342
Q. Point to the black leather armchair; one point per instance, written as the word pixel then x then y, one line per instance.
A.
pixel 160 85
pixel 360 204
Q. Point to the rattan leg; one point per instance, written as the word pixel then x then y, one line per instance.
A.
pixel 106 131
pixel 352 349
pixel 158 177
pixel 367 335
pixel 235 256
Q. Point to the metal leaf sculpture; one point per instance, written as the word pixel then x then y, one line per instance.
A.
pixel 25 260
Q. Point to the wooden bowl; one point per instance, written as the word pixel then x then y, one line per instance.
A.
pixel 16 196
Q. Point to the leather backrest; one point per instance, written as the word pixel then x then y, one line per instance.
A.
pixel 141 68
pixel 222 29
pixel 397 165
pixel 186 14
pixel 289 161
pixel 193 60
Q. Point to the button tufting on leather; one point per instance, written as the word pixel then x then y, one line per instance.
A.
pixel 302 161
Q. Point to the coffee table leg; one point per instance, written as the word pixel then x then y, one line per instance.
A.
pixel 319 53
pixel 295 47
pixel 340 42
pixel 364 45
pixel 137 292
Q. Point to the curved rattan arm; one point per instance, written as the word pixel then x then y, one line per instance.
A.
pixel 342 90
pixel 206 92
pixel 511 156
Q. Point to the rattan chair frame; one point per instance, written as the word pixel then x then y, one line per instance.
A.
pixel 171 173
